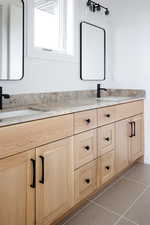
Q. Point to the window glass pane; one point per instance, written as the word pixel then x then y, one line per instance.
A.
pixel 47 24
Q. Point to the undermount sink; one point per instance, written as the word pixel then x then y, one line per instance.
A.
pixel 114 99
pixel 17 113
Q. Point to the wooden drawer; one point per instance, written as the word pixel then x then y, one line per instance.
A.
pixel 106 139
pixel 106 167
pixel 114 113
pixel 129 109
pixel 25 136
pixel 84 121
pixel 106 115
pixel 85 180
pixel 85 148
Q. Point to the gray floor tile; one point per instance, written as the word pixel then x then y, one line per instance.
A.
pixel 140 172
pixel 140 212
pixel 120 196
pixel 93 215
pixel 74 212
pixel 101 191
pixel 125 222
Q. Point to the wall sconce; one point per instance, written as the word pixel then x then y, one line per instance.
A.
pixel 94 6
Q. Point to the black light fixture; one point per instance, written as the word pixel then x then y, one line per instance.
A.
pixel 107 12
pixel 94 6
pixel 89 3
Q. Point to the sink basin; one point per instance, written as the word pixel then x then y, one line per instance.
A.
pixel 114 99
pixel 17 113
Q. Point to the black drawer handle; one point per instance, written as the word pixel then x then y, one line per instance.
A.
pixel 87 181
pixel 87 148
pixel 33 185
pixel 43 174
pixel 88 121
pixel 107 115
pixel 107 139
pixel 107 167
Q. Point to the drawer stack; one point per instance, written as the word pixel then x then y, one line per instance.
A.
pixel 96 155
pixel 94 148
pixel 85 153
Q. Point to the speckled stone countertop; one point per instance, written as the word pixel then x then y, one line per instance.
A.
pixel 67 106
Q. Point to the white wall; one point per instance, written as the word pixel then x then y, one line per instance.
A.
pixel 46 75
pixel 131 51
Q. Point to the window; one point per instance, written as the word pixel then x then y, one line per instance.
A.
pixel 49 24
pixel 51 28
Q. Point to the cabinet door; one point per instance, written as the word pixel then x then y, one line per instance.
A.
pixel 137 142
pixel 123 140
pixel 17 198
pixel 55 180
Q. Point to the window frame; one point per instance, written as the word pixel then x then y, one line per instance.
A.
pixel 35 52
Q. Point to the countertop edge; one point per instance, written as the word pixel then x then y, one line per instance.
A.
pixel 65 111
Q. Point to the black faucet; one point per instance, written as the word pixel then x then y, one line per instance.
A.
pixel 6 96
pixel 99 89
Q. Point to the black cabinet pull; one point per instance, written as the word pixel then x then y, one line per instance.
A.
pixel 107 167
pixel 88 121
pixel 134 128
pixel 87 148
pixel 107 139
pixel 87 181
pixel 131 124
pixel 43 175
pixel 107 115
pixel 33 185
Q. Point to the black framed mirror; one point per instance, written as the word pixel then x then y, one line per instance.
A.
pixel 92 52
pixel 11 39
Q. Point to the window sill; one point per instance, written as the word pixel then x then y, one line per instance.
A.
pixel 52 56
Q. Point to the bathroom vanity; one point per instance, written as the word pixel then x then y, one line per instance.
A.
pixel 51 163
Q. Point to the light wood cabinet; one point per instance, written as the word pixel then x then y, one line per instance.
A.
pixel 17 198
pixel 55 181
pixel 123 138
pixel 129 141
pixel 72 156
pixel 137 141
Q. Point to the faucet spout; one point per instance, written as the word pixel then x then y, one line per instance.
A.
pixel 99 89
pixel 6 96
